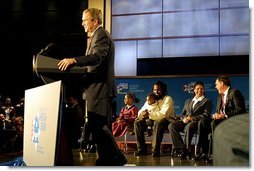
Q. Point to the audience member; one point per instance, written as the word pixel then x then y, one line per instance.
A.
pixel 76 119
pixel 160 118
pixel 19 126
pixel 126 117
pixel 20 108
pixel 197 108
pixel 9 109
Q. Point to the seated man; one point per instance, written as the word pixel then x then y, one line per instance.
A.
pixel 161 119
pixel 230 102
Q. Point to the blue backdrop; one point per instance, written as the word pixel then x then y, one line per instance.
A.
pixel 179 88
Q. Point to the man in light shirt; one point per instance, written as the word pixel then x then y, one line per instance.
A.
pixel 161 118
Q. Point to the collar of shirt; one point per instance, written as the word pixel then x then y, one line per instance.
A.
pixel 195 100
pixel 128 106
pixel 226 94
pixel 95 30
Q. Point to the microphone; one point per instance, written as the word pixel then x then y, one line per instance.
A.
pixel 49 46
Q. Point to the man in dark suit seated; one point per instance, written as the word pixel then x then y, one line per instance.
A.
pixel 230 102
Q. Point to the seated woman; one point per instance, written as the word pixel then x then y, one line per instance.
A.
pixel 194 110
pixel 126 117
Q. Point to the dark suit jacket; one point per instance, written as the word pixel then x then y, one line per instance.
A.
pixel 201 110
pixel 235 103
pixel 99 81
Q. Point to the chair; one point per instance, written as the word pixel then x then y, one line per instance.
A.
pixel 194 141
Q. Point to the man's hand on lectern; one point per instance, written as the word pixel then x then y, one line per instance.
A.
pixel 65 63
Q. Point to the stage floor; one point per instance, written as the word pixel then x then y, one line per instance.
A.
pixel 88 159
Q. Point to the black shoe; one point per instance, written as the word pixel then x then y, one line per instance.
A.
pixel 198 157
pixel 92 149
pixel 201 157
pixel 149 132
pixel 119 160
pixel 156 154
pixel 87 148
pixel 175 153
pixel 132 133
pixel 186 154
pixel 210 159
pixel 140 153
pixel 100 162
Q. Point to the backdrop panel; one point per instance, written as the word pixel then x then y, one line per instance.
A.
pixel 179 88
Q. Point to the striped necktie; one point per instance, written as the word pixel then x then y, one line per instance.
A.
pixel 222 107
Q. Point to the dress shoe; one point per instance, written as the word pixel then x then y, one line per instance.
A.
pixel 140 153
pixel 132 133
pixel 175 153
pixel 92 148
pixel 210 159
pixel 201 157
pixel 118 160
pixel 156 154
pixel 149 132
pixel 198 157
pixel 185 154
pixel 87 148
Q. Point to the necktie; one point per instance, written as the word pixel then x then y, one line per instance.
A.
pixel 222 107
pixel 88 44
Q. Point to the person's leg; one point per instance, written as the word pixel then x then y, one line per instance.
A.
pixel 189 130
pixel 214 124
pixel 204 129
pixel 108 151
pixel 149 130
pixel 139 129
pixel 86 136
pixel 174 129
pixel 158 131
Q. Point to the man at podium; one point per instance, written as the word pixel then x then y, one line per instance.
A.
pixel 99 86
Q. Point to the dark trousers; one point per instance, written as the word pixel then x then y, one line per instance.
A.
pixel 189 130
pixel 214 124
pixel 87 135
pixel 204 129
pixel 159 126
pixel 102 135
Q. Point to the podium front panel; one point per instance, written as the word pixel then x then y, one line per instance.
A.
pixel 42 107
